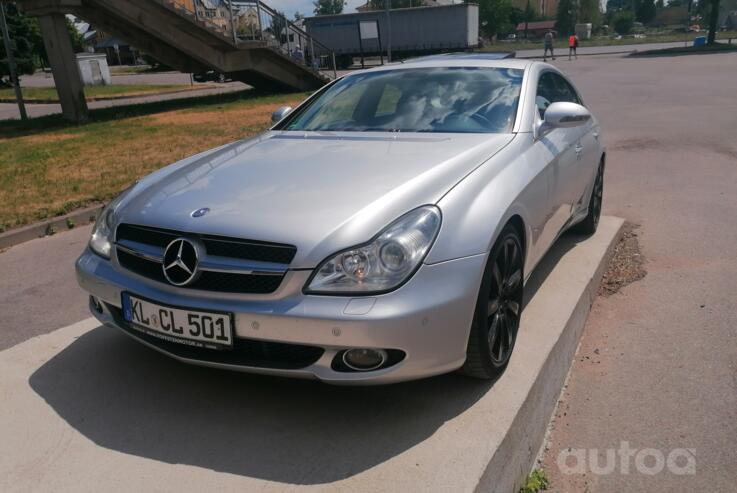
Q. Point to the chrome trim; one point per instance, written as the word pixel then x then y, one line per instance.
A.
pixel 148 252
pixel 207 263
pixel 212 263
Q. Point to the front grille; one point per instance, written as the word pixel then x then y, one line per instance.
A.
pixel 216 247
pixel 245 352
pixel 208 281
pixel 222 246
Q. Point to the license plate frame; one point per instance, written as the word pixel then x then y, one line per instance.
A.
pixel 185 337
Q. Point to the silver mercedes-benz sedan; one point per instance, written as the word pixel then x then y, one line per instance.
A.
pixel 381 231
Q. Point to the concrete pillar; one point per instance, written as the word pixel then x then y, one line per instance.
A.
pixel 64 66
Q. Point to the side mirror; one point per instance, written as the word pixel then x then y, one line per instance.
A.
pixel 566 115
pixel 279 114
pixel 563 115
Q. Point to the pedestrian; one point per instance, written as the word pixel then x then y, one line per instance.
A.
pixel 548 43
pixel 572 45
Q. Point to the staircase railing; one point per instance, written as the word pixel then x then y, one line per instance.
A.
pixel 252 20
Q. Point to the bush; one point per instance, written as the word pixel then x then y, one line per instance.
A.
pixel 623 22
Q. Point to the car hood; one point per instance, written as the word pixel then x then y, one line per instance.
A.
pixel 322 192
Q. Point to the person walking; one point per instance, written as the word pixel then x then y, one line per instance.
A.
pixel 548 43
pixel 572 45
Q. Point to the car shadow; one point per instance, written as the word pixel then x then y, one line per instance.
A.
pixel 131 399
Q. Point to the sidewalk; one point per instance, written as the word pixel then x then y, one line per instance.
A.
pixel 9 111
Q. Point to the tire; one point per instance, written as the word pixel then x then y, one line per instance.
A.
pixel 497 313
pixel 591 221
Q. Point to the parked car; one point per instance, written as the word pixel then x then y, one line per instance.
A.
pixel 381 231
pixel 211 76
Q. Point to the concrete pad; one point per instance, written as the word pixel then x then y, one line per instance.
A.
pixel 87 409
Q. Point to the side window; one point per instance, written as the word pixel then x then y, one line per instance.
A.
pixel 568 93
pixel 552 88
pixel 545 92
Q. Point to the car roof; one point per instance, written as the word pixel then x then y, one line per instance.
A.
pixel 486 60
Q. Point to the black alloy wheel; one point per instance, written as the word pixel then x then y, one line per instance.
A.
pixel 498 309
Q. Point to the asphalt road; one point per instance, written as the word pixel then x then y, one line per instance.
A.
pixel 41 79
pixel 661 371
pixel 657 366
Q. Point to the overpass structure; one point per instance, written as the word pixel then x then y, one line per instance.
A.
pixel 245 39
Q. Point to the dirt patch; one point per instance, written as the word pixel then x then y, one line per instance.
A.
pixel 627 264
pixel 637 144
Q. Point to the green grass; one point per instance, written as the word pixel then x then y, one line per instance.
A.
pixel 49 167
pixel 93 92
pixel 535 482
pixel 609 41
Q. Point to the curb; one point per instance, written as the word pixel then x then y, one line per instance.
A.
pixel 566 286
pixel 49 226
pixel 532 57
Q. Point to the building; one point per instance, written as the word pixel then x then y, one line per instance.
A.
pixel 535 30
pixel 543 8
pixel 366 7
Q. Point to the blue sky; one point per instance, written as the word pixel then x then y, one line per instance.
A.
pixel 289 7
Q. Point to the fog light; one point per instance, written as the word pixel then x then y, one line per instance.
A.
pixel 364 359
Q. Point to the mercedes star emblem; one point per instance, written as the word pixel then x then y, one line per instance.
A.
pixel 180 262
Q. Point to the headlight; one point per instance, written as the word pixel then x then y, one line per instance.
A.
pixel 101 241
pixel 385 262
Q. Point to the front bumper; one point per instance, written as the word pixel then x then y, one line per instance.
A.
pixel 428 319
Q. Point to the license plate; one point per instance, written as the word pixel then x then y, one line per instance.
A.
pixel 190 327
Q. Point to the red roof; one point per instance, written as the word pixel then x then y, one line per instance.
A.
pixel 536 25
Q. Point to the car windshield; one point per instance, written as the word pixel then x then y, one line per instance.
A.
pixel 467 100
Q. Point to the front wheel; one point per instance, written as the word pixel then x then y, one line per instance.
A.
pixel 498 309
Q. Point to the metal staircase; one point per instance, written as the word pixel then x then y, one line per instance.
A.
pixel 246 39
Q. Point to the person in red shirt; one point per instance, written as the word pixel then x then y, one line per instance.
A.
pixel 572 45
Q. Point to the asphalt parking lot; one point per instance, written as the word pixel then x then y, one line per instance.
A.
pixel 661 372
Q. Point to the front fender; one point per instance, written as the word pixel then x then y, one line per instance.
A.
pixel 476 210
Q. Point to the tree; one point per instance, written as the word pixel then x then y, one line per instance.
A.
pixel 328 7
pixel 588 11
pixel 24 35
pixel 494 16
pixel 623 22
pixel 659 4
pixel 713 20
pixel 645 11
pixel 565 17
